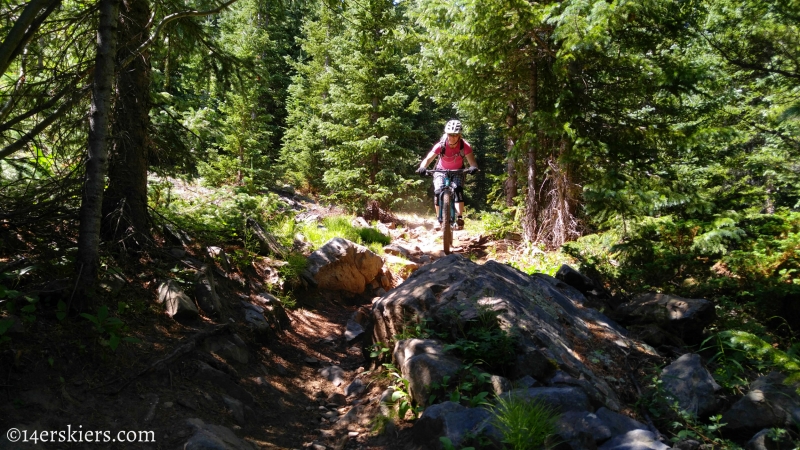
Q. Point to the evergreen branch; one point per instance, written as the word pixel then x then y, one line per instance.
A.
pixel 168 19
pixel 24 29
pixel 24 140
pixel 48 104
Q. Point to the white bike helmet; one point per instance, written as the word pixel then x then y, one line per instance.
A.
pixel 453 127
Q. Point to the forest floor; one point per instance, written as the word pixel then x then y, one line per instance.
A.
pixel 60 380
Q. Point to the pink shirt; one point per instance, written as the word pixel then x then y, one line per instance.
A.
pixel 452 155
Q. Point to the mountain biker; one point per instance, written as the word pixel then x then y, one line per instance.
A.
pixel 452 149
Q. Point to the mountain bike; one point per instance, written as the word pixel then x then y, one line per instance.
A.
pixel 447 206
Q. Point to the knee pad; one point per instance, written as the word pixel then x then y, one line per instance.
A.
pixel 459 191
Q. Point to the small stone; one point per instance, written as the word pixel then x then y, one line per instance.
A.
pixel 352 433
pixel 168 404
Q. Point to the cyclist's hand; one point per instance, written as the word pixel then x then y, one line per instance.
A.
pixel 422 171
pixel 472 170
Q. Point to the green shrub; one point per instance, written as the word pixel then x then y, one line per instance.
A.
pixel 524 423
pixel 498 224
pixel 751 260
pixel 370 235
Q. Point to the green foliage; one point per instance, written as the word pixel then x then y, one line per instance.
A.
pixel 342 227
pixel 738 354
pixel 355 118
pixel 668 415
pixel 748 261
pixel 371 235
pixel 470 387
pixel 498 224
pixel 482 341
pixel 108 328
pixel 535 259
pixel 401 396
pixel 222 213
pixel 525 424
pixel 447 444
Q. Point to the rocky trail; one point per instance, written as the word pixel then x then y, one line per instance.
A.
pixel 292 380
pixel 227 367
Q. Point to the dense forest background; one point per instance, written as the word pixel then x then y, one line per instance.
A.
pixel 655 141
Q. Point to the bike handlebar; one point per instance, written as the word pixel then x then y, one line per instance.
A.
pixel 430 171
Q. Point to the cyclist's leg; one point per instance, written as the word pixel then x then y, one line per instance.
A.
pixel 438 183
pixel 459 200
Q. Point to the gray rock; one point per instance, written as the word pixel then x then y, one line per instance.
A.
pixel 539 363
pixel 341 265
pixel 230 348
pixel 397 250
pixel 577 280
pixel 684 317
pixel 219 254
pixel 690 383
pixel 634 440
pixel 766 439
pixel 236 407
pixel 525 382
pixel 769 403
pixel 686 444
pixel 500 385
pixel 423 363
pixel 354 388
pixel 221 380
pixel 537 309
pixel 214 437
pixel 618 423
pixel 262 330
pixel 205 292
pixel 177 304
pixel 334 374
pixel 449 419
pixel 352 331
pixel 574 426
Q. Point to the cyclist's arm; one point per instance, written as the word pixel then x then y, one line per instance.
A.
pixel 471 160
pixel 427 160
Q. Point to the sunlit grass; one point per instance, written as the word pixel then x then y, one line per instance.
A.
pixel 525 424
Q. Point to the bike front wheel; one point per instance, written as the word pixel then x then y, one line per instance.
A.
pixel 447 222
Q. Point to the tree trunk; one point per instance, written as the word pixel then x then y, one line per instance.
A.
pixel 125 216
pixel 511 181
pixel 531 198
pixel 96 164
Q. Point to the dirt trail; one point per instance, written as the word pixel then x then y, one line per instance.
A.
pixel 61 375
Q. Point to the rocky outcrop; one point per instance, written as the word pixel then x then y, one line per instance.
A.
pixel 689 382
pixel 545 315
pixel 768 404
pixel 684 317
pixel 341 265
pixel 176 303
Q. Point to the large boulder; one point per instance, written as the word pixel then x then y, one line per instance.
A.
pixel 546 317
pixel 768 404
pixel 450 420
pixel 341 265
pixel 176 303
pixel 423 363
pixel 685 317
pixel 689 382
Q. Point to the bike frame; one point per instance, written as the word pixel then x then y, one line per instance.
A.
pixel 450 206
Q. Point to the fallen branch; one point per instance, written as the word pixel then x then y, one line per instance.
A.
pixel 268 242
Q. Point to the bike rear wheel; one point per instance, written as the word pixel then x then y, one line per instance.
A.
pixel 447 222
